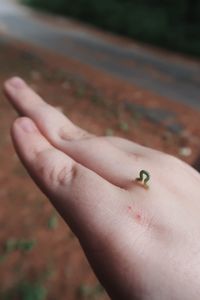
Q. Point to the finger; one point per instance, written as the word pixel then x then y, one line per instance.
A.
pixel 84 199
pixel 127 145
pixel 132 147
pixel 108 161
pixel 97 154
pixel 49 120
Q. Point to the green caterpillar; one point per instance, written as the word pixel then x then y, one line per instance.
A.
pixel 144 178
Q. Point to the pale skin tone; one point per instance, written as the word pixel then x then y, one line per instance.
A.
pixel 142 243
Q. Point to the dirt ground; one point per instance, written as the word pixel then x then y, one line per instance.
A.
pixel 39 257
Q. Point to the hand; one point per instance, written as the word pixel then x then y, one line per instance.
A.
pixel 142 243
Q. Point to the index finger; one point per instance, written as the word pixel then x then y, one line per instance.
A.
pixel 51 122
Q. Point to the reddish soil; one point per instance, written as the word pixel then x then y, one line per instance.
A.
pixel 97 103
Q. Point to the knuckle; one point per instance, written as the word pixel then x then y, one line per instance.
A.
pixel 44 165
pixel 55 174
pixel 75 133
pixel 65 175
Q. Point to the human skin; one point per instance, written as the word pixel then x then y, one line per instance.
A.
pixel 142 243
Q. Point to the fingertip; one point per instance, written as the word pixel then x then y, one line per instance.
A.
pixel 24 124
pixel 27 139
pixel 14 83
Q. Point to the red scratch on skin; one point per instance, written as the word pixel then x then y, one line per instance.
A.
pixel 138 217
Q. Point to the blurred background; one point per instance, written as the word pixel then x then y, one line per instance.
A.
pixel 173 24
pixel 125 68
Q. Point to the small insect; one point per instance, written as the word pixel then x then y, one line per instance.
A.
pixel 144 178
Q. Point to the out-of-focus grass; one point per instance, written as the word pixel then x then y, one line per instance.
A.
pixel 19 244
pixel 53 222
pixel 25 290
pixel 89 292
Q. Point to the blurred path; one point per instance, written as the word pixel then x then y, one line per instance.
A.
pixel 177 79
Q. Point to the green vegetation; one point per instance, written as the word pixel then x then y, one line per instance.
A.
pixel 168 23
pixel 109 132
pixel 53 222
pixel 123 126
pixel 80 91
pixel 86 291
pixel 22 245
pixel 26 290
pixel 12 245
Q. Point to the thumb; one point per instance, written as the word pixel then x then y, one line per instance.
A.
pixel 87 202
